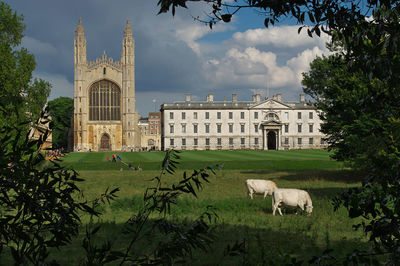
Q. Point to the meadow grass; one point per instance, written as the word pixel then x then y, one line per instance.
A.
pixel 268 238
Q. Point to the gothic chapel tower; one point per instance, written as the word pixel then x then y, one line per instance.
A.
pixel 105 118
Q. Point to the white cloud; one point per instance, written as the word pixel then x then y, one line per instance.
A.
pixel 278 36
pixel 253 68
pixel 258 59
pixel 250 67
pixel 190 33
pixel 301 63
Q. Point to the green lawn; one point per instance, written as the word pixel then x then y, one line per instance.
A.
pixel 238 159
pixel 268 238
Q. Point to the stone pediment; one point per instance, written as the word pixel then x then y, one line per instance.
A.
pixel 270 104
pixel 271 123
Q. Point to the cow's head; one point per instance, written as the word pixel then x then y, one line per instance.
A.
pixel 309 209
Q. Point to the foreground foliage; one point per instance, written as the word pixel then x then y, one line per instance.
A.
pixel 38 208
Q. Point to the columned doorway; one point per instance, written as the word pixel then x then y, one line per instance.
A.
pixel 105 143
pixel 272 136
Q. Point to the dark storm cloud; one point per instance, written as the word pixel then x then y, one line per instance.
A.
pixel 53 24
pixel 167 68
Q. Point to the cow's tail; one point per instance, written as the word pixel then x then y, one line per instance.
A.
pixel 273 187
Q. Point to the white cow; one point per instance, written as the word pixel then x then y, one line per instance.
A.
pixel 291 197
pixel 260 186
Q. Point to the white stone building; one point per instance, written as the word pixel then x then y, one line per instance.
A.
pixel 105 118
pixel 268 124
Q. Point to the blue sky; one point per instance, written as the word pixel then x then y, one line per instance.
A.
pixel 174 55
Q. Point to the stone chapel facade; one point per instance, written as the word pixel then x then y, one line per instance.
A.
pixel 105 118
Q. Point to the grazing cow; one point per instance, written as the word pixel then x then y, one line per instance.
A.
pixel 291 197
pixel 260 186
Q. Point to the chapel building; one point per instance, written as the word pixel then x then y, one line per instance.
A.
pixel 268 124
pixel 105 118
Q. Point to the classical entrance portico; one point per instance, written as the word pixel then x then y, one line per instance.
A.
pixel 271 135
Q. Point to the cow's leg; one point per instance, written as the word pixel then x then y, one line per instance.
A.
pixel 279 209
pixel 273 206
pixel 265 194
pixel 276 206
pixel 249 192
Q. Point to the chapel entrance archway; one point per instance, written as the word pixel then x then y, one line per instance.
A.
pixel 271 140
pixel 105 142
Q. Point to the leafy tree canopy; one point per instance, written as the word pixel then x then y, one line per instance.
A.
pixel 354 110
pixel 22 98
pixel 61 110
pixel 361 114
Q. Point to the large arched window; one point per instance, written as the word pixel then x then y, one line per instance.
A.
pixel 104 101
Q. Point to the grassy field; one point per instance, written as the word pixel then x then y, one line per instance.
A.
pixel 233 160
pixel 240 218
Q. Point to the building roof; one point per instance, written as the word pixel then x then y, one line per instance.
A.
pixel 230 105
pixel 143 120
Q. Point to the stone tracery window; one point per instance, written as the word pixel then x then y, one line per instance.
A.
pixel 104 101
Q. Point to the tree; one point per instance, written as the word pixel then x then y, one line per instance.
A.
pixel 361 113
pixel 362 121
pixel 61 110
pixel 360 88
pixel 350 108
pixel 22 98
